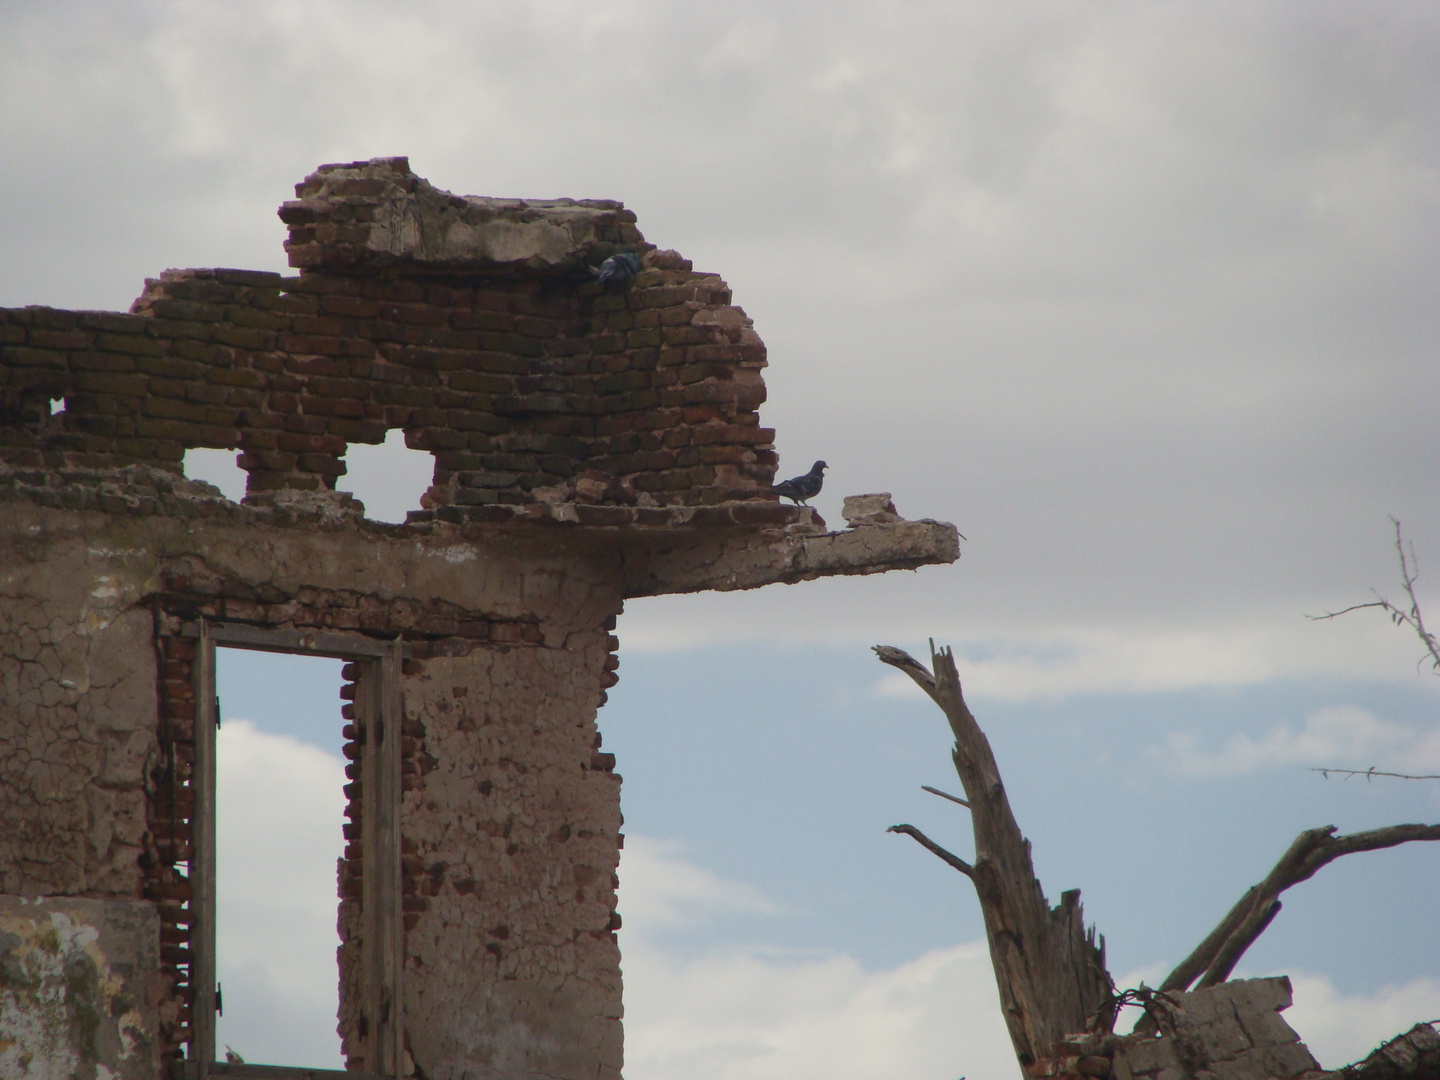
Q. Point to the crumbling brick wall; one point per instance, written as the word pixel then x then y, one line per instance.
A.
pixel 590 444
pixel 518 382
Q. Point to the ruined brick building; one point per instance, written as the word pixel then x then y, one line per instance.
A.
pixel 591 444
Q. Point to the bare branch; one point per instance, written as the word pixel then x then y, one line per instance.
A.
pixel 1372 772
pixel 899 658
pixel 945 795
pixel 1217 955
pixel 935 849
pixel 1409 574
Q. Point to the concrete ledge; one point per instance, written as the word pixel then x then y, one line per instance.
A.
pixel 750 560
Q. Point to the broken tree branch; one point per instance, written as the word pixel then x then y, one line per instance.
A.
pixel 934 848
pixel 945 795
pixel 1371 772
pixel 1216 956
pixel 1049 968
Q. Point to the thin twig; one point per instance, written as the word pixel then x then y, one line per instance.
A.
pixel 1371 772
pixel 1409 574
pixel 935 849
pixel 945 795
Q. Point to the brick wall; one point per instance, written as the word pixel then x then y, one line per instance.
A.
pixel 517 382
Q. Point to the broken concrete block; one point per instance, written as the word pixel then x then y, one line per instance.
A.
pixel 873 509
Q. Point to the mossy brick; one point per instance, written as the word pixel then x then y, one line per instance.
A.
pixel 45 338
pixel 480 382
pixel 258 318
pixel 506 462
pixel 498 363
pixel 98 361
pixel 244 337
pixel 168 388
pixel 305 425
pixel 479 319
pixel 53 318
pixel 320 326
pixel 567 347
pixel 164 428
pixel 11 333
pixel 202 352
pixel 206 393
pixel 237 397
pixel 23 356
pixel 643 339
pixel 465 420
pixel 188 310
pixel 250 279
pixel 393 394
pixel 514 344
pixel 117 383
pixel 393 289
pixel 289 303
pixel 95 425
pixel 142 449
pixel 605 343
pixel 350 307
pixel 196 288
pixel 324 464
pixel 309 345
pixel 414 314
pixel 166 408
pixel 313 405
pixel 553 305
pixel 723 454
pixel 339 386
pixel 536 327
pixel 266 461
pixel 140 345
pixel 217 436
pixel 171 367
pixel 240 377
pixel 370 432
pixel 111 322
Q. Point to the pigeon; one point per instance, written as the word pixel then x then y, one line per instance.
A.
pixel 615 271
pixel 803 487
pixel 231 1057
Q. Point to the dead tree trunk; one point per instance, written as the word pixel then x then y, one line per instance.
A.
pixel 1049 969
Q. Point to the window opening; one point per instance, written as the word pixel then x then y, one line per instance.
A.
pixel 216 467
pixel 369 989
pixel 279 811
pixel 57 405
pixel 389 478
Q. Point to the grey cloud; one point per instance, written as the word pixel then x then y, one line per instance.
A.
pixel 1141 295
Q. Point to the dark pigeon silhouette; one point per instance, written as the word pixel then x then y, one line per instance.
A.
pixel 803 487
pixel 615 271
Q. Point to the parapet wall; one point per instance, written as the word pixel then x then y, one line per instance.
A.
pixel 519 374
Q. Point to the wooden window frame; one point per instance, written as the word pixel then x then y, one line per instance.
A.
pixel 378 717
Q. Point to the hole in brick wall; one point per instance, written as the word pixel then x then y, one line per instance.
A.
pixel 57 405
pixel 279 811
pixel 389 479
pixel 216 467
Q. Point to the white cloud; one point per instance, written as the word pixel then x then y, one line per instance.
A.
pixel 279 809
pixel 756 1012
pixel 1342 1028
pixel 659 890
pixel 767 1015
pixel 1338 736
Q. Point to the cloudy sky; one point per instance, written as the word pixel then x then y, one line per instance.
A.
pixel 1142 296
